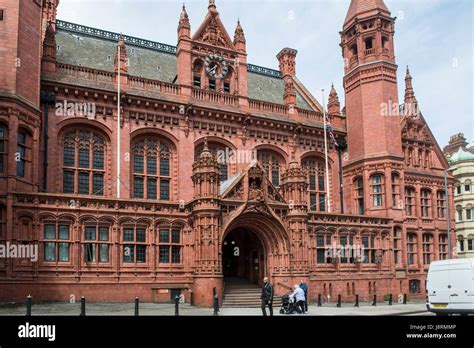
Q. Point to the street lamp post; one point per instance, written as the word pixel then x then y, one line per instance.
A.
pixel 448 215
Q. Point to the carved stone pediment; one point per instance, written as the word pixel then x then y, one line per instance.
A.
pixel 257 205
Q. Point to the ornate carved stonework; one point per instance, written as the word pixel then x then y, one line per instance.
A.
pixel 213 35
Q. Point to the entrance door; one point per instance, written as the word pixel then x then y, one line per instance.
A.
pixel 243 256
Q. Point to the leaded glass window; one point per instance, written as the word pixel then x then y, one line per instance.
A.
pixel 151 169
pixel 83 162
pixel 316 170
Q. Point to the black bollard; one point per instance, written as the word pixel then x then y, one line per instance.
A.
pixel 176 305
pixel 390 298
pixel 374 303
pixel 28 306
pixel 357 301
pixel 338 301
pixel 83 306
pixel 404 298
pixel 319 300
pixel 136 306
pixel 216 305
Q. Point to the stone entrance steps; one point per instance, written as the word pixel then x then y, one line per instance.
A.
pixel 242 293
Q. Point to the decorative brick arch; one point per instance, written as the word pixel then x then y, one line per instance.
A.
pixel 272 234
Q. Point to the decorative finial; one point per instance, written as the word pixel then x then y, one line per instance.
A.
pixel 212 4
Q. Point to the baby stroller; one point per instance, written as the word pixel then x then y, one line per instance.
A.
pixel 288 305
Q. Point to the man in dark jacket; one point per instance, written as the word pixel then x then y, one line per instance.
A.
pixel 267 297
pixel 304 287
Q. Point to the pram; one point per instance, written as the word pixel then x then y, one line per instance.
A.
pixel 288 305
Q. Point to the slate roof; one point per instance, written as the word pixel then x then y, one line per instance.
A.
pixel 95 48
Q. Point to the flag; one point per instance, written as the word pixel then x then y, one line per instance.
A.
pixel 330 130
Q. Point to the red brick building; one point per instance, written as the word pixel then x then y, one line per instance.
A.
pixel 146 207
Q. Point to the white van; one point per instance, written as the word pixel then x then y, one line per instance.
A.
pixel 450 286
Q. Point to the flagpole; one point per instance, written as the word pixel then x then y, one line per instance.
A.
pixel 328 193
pixel 118 126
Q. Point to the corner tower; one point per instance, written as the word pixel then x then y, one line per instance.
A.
pixel 373 120
pixel 370 80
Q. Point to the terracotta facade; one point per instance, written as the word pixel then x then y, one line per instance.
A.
pixel 161 225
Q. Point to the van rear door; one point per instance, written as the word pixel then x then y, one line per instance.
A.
pixel 438 286
pixel 462 285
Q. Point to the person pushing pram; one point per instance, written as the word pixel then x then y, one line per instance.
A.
pixel 296 301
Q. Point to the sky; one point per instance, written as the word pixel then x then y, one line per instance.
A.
pixel 434 37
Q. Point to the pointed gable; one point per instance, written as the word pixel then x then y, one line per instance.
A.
pixel 212 31
pixel 415 128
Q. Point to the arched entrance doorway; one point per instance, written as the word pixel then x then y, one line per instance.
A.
pixel 243 256
pixel 255 245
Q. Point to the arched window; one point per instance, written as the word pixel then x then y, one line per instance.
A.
pixel 409 201
pixel 459 213
pixel 425 202
pixel 23 154
pixel 197 73
pixel 151 169
pixel 427 159
pixel 3 147
pixel 397 245
pixel 317 183
pixel 411 156
pixel 377 190
pixel 412 249
pixel 273 165
pixel 469 212
pixel 353 50
pixel 359 195
pixel 385 42
pixel 227 81
pixel 396 190
pixel 441 204
pixel 222 154
pixel 467 186
pixel 443 246
pixel 84 162
pixel 427 248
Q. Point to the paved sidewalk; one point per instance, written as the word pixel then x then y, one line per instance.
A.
pixel 165 309
pixel 346 310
